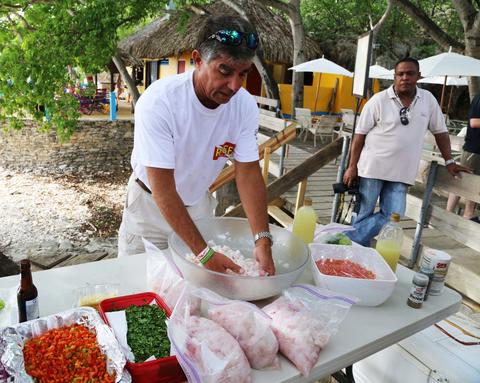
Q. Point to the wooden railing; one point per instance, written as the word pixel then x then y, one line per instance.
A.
pixel 284 132
pixel 296 175
pixel 449 224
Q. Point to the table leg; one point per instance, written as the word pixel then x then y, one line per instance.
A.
pixel 344 377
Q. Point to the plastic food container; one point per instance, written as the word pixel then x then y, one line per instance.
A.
pixel 156 371
pixel 289 252
pixel 91 295
pixel 371 292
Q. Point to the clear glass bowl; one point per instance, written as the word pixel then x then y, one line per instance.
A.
pixel 290 255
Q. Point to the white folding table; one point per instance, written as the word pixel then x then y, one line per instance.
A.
pixel 365 330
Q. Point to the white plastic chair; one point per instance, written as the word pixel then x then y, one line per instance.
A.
pixel 348 116
pixel 323 127
pixel 304 117
pixel 319 126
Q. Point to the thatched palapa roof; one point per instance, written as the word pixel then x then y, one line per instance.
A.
pixel 169 36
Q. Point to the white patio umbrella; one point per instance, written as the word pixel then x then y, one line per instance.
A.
pixel 451 81
pixel 449 64
pixel 440 80
pixel 321 66
pixel 378 71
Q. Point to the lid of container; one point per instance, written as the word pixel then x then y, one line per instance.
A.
pixel 437 254
pixel 395 217
pixel 420 279
pixel 307 202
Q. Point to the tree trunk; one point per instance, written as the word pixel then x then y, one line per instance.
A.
pixel 470 19
pixel 298 34
pixel 265 73
pixel 271 86
pixel 425 22
pixel 292 9
pixel 472 49
pixel 132 88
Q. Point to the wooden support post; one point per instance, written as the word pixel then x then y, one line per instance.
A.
pixel 266 163
pixel 423 214
pixel 302 187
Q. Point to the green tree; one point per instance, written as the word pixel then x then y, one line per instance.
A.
pixel 42 40
pixel 468 42
pixel 331 21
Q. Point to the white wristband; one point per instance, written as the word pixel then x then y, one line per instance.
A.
pixel 449 162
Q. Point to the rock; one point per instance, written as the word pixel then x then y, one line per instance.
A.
pixel 49 246
pixel 65 245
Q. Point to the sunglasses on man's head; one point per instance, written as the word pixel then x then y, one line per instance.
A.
pixel 234 38
pixel 403 116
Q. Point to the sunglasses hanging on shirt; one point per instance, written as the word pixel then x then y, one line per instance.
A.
pixel 403 116
pixel 404 110
pixel 234 38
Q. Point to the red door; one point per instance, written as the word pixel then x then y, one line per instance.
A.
pixel 254 82
pixel 181 66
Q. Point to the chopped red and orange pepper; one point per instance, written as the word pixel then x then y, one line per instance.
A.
pixel 67 354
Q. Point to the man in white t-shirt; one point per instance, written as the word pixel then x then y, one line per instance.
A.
pixel 387 147
pixel 186 127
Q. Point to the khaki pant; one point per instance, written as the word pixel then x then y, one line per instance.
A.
pixel 142 218
pixel 472 160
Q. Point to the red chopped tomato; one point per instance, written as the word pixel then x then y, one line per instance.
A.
pixel 344 268
pixel 66 354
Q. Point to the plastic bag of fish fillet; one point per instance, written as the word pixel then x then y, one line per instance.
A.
pixel 206 351
pixel 247 323
pixel 304 318
pixel 163 276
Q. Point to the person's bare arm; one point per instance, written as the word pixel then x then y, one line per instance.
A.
pixel 164 192
pixel 443 142
pixel 475 123
pixel 351 174
pixel 253 195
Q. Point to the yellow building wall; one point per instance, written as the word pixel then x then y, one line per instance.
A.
pixel 278 72
pixel 172 67
pixel 322 90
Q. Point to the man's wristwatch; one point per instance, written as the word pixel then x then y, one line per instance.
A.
pixel 263 234
pixel 449 162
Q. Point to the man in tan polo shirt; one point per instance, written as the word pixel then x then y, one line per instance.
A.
pixel 387 147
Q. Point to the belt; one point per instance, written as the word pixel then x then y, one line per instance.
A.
pixel 142 185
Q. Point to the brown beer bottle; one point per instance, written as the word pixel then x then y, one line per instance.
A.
pixel 27 296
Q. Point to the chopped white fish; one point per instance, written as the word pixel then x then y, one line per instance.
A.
pixel 250 266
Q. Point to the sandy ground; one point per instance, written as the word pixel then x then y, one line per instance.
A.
pixel 42 214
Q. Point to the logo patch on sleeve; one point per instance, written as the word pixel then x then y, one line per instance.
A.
pixel 225 150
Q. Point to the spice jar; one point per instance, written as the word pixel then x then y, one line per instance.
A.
pixel 429 273
pixel 417 291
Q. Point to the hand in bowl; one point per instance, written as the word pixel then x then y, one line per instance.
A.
pixel 222 263
pixel 263 254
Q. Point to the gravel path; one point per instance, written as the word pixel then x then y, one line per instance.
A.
pixel 42 215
